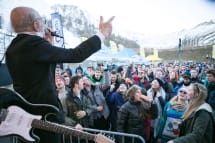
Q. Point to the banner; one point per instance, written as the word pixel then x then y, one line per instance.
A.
pixel 213 52
pixel 57 27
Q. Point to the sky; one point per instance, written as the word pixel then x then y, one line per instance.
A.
pixel 149 17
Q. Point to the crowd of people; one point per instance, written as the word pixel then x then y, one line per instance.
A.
pixel 165 103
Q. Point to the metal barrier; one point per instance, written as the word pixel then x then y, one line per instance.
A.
pixel 118 137
pixel 115 136
pixel 7 140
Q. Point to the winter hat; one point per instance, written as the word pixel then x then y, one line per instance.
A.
pixel 186 75
pixel 79 68
pixel 69 71
pixel 119 69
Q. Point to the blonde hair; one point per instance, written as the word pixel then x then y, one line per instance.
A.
pixel 199 97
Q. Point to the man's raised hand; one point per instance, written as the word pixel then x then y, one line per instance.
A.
pixel 106 27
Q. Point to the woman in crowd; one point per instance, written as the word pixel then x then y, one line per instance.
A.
pixel 172 116
pixel 173 78
pixel 133 114
pixel 197 125
pixel 158 94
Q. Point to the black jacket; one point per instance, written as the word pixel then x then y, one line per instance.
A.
pixel 31 62
pixel 198 128
pixel 211 95
pixel 129 118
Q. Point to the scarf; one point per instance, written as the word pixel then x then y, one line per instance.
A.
pixel 178 105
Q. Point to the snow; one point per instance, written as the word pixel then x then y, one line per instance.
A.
pixel 205 32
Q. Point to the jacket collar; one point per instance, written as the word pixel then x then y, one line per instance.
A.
pixel 204 106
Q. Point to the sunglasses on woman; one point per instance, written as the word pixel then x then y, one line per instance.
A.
pixel 182 91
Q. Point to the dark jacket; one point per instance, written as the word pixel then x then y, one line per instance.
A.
pixel 115 100
pixel 74 104
pixel 198 128
pixel 211 95
pixel 129 118
pixel 196 80
pixel 31 62
pixel 179 85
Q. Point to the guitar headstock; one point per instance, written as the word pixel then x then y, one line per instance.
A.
pixel 103 139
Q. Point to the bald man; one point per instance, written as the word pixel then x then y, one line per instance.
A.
pixel 31 59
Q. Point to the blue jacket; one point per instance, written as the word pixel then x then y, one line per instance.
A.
pixel 169 111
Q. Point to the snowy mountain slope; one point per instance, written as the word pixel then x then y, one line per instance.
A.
pixel 79 23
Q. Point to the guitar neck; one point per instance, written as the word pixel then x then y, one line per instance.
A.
pixel 61 129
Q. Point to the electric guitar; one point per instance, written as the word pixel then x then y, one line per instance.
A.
pixel 14 120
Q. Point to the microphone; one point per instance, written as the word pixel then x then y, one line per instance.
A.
pixel 53 33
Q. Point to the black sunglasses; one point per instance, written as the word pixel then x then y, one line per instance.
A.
pixel 182 91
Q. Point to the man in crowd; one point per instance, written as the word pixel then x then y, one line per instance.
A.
pixel 211 89
pixel 194 76
pixel 31 59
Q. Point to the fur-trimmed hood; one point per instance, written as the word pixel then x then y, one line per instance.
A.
pixel 205 106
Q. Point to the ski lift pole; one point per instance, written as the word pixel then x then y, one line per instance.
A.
pixel 179 51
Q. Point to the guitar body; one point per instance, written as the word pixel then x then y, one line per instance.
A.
pixel 9 98
pixel 23 119
pixel 18 122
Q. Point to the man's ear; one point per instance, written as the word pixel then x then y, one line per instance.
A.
pixel 36 26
